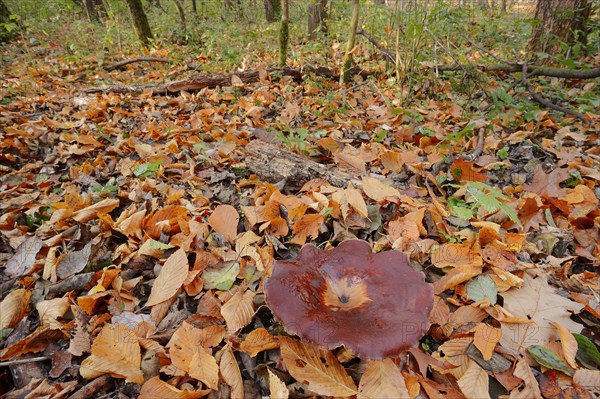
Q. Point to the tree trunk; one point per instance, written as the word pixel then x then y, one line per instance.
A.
pixel 317 15
pixel 5 33
pixel 562 21
pixel 284 32
pixel 194 7
pixel 140 21
pixel 345 73
pixel 181 12
pixel 272 10
pixel 93 9
pixel 4 13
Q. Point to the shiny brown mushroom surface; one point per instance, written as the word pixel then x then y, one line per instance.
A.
pixel 372 303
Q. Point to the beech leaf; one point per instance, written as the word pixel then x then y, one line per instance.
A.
pixel 170 279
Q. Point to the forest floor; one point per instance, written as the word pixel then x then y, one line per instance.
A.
pixel 136 235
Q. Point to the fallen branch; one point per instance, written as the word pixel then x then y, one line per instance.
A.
pixel 23 361
pixel 532 70
pixel 377 45
pixel 133 60
pixel 93 388
pixel 547 103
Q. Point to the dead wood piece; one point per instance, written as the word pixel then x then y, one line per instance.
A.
pixel 274 164
pixel 133 60
pixel 532 70
pixel 93 388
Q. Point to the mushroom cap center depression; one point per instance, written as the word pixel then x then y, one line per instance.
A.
pixel 345 293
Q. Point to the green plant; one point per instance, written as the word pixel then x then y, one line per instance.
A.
pixel 294 140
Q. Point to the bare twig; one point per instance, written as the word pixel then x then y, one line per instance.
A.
pixel 480 48
pixel 92 389
pixel 133 60
pixel 547 103
pixel 23 361
pixel 377 45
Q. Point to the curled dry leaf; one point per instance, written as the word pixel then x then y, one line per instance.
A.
pixel 22 261
pixel 382 379
pixel 238 311
pixel 37 341
pixel 568 344
pixel 115 351
pixel 224 220
pixel 530 389
pixel 87 214
pixel 74 262
pixel 14 307
pixel 257 341
pixel 170 279
pixel 230 371
pixel 155 388
pixel 277 387
pixel 51 310
pixel 319 367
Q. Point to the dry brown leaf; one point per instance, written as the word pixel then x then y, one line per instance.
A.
pixel 14 307
pixel 74 262
pixel 486 338
pixel 170 279
pixel 87 214
pixel 306 226
pixel 258 340
pixel 474 384
pixel 23 260
pixel 531 389
pixel 456 255
pixel 455 277
pixel 588 379
pixel 320 368
pixel 155 388
pixel 356 200
pixel 568 344
pixel 187 340
pixel 230 371
pixel 51 310
pixel 166 220
pixel 224 220
pixel 277 387
pixel 35 342
pixel 378 190
pixel 382 379
pixel 203 367
pixel 536 301
pixel 238 311
pixel 115 351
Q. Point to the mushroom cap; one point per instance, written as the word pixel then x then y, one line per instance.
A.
pixel 374 304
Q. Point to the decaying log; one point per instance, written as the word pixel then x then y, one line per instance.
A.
pixel 273 164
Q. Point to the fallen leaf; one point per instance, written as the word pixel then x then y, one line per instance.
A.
pixel 320 368
pixel 170 279
pixel 474 383
pixel 24 258
pixel 51 310
pixel 74 262
pixel 277 387
pixel 382 379
pixel 14 307
pixel 224 220
pixel 203 367
pixel 87 214
pixel 115 351
pixel 258 340
pixel 486 338
pixel 568 344
pixel 155 388
pixel 230 371
pixel 238 311
pixel 378 190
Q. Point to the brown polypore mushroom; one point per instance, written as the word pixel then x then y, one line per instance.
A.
pixel 372 303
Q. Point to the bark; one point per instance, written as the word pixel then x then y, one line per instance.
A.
pixel 345 73
pixel 140 21
pixel 4 13
pixel 5 34
pixel 272 10
pixel 181 12
pixel 317 15
pixel 194 7
pixel 284 33
pixel 94 10
pixel 560 21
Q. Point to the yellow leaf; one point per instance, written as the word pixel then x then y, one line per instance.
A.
pixel 277 387
pixel 356 200
pixel 568 344
pixel 115 351
pixel 382 379
pixel 257 341
pixel 224 220
pixel 485 339
pixel 474 384
pixel 378 190
pixel 320 368
pixel 238 311
pixel 14 307
pixel 230 371
pixel 170 279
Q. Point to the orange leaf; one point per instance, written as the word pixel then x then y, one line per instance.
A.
pixel 224 220
pixel 455 277
pixel 166 220
pixel 203 367
pixel 257 341
pixel 230 371
pixel 87 214
pixel 170 279
pixel 568 344
pixel 378 190
pixel 306 226
pixel 320 368
pixel 14 307
pixel 485 339
pixel 238 311
pixel 453 255
pixel 475 382
pixel 155 388
pixel 382 379
pixel 115 351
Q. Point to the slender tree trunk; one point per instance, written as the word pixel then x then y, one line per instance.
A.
pixel 272 10
pixel 93 9
pixel 284 32
pixel 6 34
pixel 194 7
pixel 140 21
pixel 317 15
pixel 345 74
pixel 561 21
pixel 181 12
